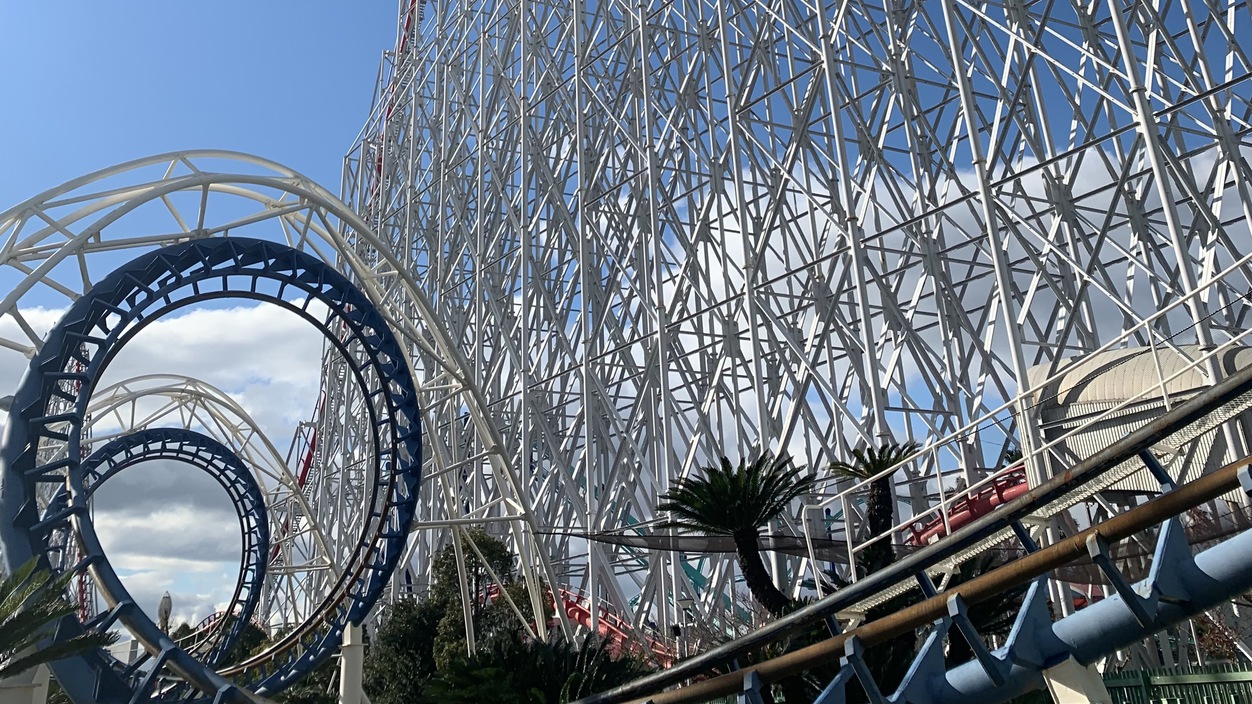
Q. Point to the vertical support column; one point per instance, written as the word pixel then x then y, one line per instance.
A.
pixel 27 688
pixel 586 285
pixel 750 228
pixel 1071 683
pixel 1030 437
pixel 528 550
pixel 351 665
pixel 462 573
pixel 653 246
pixel 1144 121
pixel 655 249
pixel 535 565
pixel 874 391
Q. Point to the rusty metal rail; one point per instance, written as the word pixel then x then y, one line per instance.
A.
pixel 981 588
pixel 1209 407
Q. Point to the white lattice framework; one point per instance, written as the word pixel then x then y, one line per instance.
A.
pixel 56 244
pixel 668 230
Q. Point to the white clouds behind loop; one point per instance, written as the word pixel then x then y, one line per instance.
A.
pixel 165 525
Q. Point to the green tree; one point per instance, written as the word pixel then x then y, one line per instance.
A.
pixel 492 621
pixel 447 581
pixel 32 601
pixel 738 502
pixel 868 463
pixel 251 641
pixel 492 617
pixel 181 632
pixel 319 687
pixel 419 637
pixel 401 658
pixel 520 671
pixel 887 662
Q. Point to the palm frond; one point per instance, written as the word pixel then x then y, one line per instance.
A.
pixel 32 602
pixel 57 651
pixel 869 461
pixel 727 498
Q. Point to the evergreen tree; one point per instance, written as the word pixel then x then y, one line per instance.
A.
pixel 32 602
pixel 737 501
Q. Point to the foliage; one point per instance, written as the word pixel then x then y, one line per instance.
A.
pixel 32 601
pixel 991 618
pixel 728 500
pixel 251 641
pixel 867 463
pixel 737 501
pixel 1012 456
pixel 319 687
pixel 1216 640
pixel 519 671
pixel 182 631
pixel 447 583
pixel 887 662
pixel 491 617
pixel 419 638
pixel 402 653
pixel 492 621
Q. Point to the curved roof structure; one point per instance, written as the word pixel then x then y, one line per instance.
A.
pixel 1126 374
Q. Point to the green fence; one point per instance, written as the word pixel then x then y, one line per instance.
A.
pixel 1215 684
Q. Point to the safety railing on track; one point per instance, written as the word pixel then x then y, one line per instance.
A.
pixel 1204 411
pixel 1044 455
pixel 1107 477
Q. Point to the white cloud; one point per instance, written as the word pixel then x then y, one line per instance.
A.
pixel 267 358
pixel 196 588
pixel 165 526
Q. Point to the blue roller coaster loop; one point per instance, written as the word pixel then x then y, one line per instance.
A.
pixel 43 446
pixel 216 460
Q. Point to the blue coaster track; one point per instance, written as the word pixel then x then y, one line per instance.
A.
pixel 216 460
pixel 43 448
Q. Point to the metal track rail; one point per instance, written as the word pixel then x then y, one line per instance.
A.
pixel 1205 410
pixel 1186 590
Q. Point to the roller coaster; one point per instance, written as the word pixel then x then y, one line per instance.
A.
pixel 583 249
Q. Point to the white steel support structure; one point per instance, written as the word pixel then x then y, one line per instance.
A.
pixel 621 238
pixel 55 245
pixel 661 231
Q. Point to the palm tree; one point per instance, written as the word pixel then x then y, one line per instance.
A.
pixel 737 502
pixel 31 603
pixel 880 508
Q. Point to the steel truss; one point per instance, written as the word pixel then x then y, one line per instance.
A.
pixel 53 246
pixel 175 401
pixel 666 231
pixel 213 458
pixel 1178 585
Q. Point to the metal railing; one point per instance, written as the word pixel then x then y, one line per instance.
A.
pixel 1217 684
pixel 1207 408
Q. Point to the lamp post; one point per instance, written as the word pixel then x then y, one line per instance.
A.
pixel 163 612
pixel 685 606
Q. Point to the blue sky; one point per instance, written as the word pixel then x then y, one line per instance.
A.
pixel 89 84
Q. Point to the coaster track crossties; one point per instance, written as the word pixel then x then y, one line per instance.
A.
pixel 43 447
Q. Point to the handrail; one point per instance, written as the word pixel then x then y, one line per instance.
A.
pixel 978 589
pixel 939 510
pixel 1182 415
